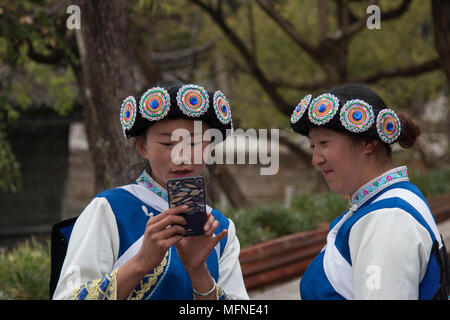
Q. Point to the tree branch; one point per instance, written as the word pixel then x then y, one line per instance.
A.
pixel 289 29
pixel 397 12
pixel 281 83
pixel 409 71
pixel 387 73
pixel 259 75
pixel 175 59
pixel 53 58
pixel 350 30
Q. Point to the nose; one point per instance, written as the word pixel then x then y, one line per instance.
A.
pixel 317 159
pixel 182 154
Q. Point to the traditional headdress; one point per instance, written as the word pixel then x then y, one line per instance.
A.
pixel 349 108
pixel 189 101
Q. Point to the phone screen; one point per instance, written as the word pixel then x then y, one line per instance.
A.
pixel 189 191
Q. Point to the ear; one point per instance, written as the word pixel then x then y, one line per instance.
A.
pixel 140 145
pixel 369 146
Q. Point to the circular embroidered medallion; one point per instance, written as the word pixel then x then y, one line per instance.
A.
pixel 193 100
pixel 357 116
pixel 154 104
pixel 128 113
pixel 222 107
pixel 323 108
pixel 388 125
pixel 300 109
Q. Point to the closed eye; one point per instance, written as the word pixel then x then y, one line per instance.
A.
pixel 169 144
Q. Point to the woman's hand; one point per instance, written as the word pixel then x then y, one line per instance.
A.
pixel 161 232
pixel 193 252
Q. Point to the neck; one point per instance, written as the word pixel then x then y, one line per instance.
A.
pixel 378 183
pixel 373 170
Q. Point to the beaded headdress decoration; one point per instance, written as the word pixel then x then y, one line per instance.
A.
pixel 355 115
pixel 128 113
pixel 191 100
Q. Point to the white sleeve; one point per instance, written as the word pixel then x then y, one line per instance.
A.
pixel 389 250
pixel 230 274
pixel 92 250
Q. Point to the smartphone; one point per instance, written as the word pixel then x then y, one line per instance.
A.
pixel 189 191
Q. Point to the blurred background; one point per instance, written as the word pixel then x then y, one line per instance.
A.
pixel 65 70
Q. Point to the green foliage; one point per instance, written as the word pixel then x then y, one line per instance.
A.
pixel 307 210
pixel 272 221
pixel 31 27
pixel 25 271
pixel 9 167
pixel 434 183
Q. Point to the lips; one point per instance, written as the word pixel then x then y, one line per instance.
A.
pixel 179 173
pixel 326 173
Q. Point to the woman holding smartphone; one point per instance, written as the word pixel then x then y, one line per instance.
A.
pixel 387 245
pixel 127 243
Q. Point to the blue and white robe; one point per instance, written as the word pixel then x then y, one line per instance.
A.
pixel 110 231
pixel 385 247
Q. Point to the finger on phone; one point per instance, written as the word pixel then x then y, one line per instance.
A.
pixel 167 212
pixel 177 210
pixel 167 221
pixel 172 231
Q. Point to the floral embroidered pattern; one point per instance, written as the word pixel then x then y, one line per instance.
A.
pixel 147 181
pixel 376 185
pixel 99 289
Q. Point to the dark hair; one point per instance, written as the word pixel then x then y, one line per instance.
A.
pixel 410 131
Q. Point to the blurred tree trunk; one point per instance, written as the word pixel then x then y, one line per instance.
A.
pixel 110 72
pixel 441 21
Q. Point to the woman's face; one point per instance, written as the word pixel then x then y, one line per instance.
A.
pixel 340 159
pixel 174 158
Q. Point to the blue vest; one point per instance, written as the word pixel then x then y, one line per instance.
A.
pixel 316 285
pixel 173 281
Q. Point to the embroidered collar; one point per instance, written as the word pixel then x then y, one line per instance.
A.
pixel 147 181
pixel 374 186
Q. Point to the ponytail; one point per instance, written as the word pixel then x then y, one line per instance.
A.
pixel 410 131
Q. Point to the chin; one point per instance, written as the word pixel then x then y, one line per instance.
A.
pixel 337 189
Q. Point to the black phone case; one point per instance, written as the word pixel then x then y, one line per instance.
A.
pixel 189 191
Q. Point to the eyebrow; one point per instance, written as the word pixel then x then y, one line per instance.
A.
pixel 169 134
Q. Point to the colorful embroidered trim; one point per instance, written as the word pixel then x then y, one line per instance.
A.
pixel 221 294
pixel 128 113
pixel 388 125
pixel 300 109
pixel 376 185
pixel 357 115
pixel 154 104
pixel 193 100
pixel 222 107
pixel 151 281
pixel 99 289
pixel 147 181
pixel 323 108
